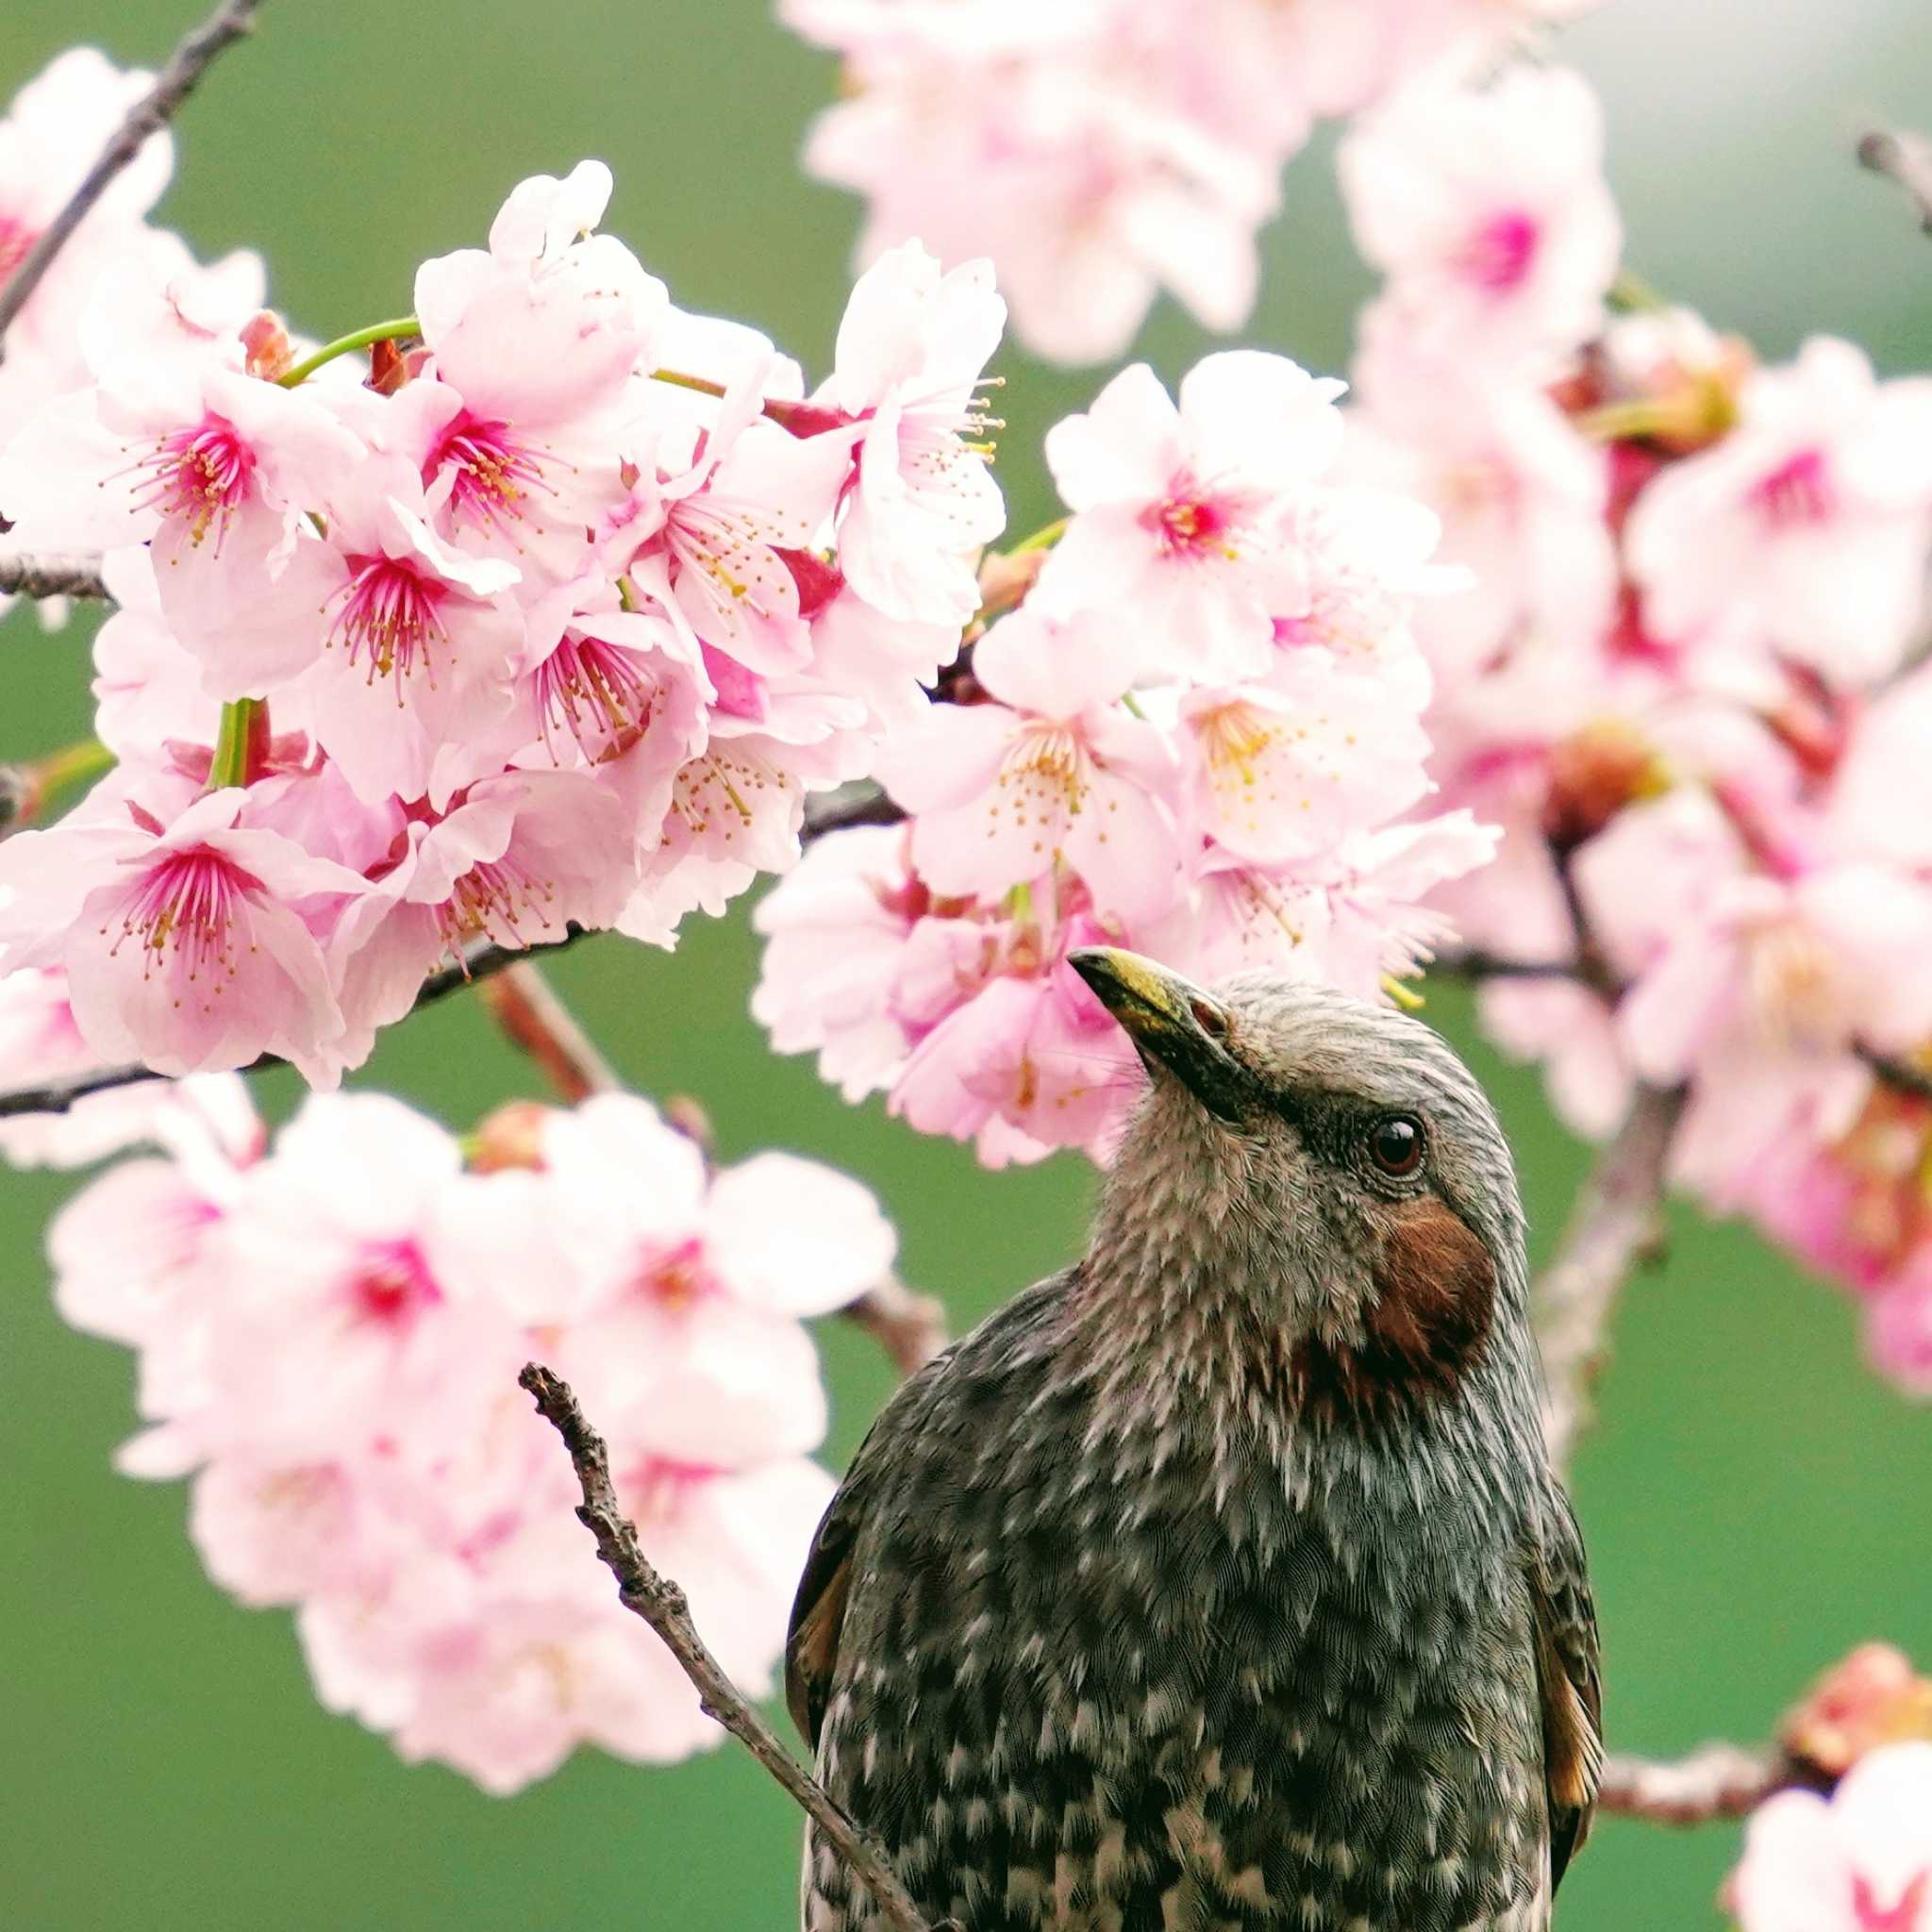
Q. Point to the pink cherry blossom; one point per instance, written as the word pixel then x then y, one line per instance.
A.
pixel 1811 520
pixel 39 1042
pixel 183 944
pixel 1487 210
pixel 1178 523
pixel 1858 1861
pixel 911 348
pixel 1057 773
pixel 515 863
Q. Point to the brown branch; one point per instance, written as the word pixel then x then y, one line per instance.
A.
pixel 28 576
pixel 527 1008
pixel 1715 1781
pixel 909 1326
pixel 661 1604
pixel 1615 1227
pixel 1900 1075
pixel 230 22
pixel 1906 158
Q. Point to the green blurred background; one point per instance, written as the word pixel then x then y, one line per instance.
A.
pixel 1756 1502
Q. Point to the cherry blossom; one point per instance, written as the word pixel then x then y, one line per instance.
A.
pixel 1179 512
pixel 1858 1861
pixel 1812 518
pixel 1486 209
pixel 182 943
pixel 328 1335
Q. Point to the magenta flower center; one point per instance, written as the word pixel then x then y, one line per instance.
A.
pixel 183 915
pixel 390 614
pixel 1499 254
pixel 493 899
pixel 1796 492
pixel 201 475
pixel 494 473
pixel 1902 1917
pixel 676 1277
pixel 393 1284
pixel 1191 523
pixel 597 693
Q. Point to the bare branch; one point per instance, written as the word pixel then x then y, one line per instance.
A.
pixel 1471 963
pixel 26 575
pixel 230 22
pixel 529 1011
pixel 1898 1073
pixel 661 1604
pixel 909 1326
pixel 1906 158
pixel 1715 1781
pixel 1615 1225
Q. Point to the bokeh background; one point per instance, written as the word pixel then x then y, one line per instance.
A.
pixel 1756 1501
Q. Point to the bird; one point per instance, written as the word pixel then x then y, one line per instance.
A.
pixel 1220 1582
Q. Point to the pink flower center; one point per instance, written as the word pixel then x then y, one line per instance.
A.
pixel 1798 491
pixel 393 1284
pixel 1499 255
pixel 596 692
pixel 493 899
pixel 183 914
pixel 201 475
pixel 676 1277
pixel 1191 524
pixel 16 243
pixel 1902 1917
pixel 494 473
pixel 393 614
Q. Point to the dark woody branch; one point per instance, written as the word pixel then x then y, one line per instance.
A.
pixel 1905 158
pixel 25 575
pixel 661 1604
pixel 230 22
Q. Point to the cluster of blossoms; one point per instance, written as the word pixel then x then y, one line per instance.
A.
pixel 532 628
pixel 1683 685
pixel 1859 1860
pixel 329 1334
pixel 1102 150
pixel 1201 736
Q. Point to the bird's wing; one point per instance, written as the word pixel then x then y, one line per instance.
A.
pixel 818 1612
pixel 1568 1677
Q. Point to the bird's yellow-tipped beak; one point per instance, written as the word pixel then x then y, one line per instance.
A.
pixel 1171 1021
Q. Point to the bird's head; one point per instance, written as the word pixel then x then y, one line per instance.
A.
pixel 1332 1164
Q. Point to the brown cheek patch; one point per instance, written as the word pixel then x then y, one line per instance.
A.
pixel 1434 1296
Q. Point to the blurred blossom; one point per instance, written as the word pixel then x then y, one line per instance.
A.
pixel 1858 1861
pixel 1104 150
pixel 328 1335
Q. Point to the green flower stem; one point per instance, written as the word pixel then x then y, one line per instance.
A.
pixel 678 379
pixel 346 346
pixel 1042 539
pixel 1630 294
pixel 240 745
pixel 62 771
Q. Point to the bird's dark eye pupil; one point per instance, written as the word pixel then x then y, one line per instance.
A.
pixel 1395 1144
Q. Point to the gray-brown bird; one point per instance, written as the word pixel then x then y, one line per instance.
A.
pixel 1221 1583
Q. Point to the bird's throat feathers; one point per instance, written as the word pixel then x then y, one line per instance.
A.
pixel 1218 1272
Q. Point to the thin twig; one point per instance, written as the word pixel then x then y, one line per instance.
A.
pixel 230 22
pixel 1906 158
pixel 661 1604
pixel 1898 1073
pixel 1715 1781
pixel 909 1326
pixel 525 1006
pixel 28 576
pixel 855 805
pixel 1615 1225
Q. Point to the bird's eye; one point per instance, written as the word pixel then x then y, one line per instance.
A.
pixel 1395 1144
